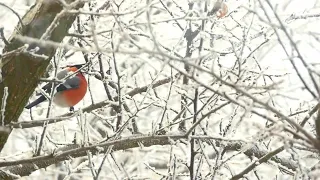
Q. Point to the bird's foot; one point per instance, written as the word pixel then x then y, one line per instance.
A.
pixel 71 109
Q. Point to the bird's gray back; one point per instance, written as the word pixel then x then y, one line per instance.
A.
pixel 62 74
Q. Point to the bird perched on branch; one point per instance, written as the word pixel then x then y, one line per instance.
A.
pixel 220 9
pixel 68 93
pixel 223 10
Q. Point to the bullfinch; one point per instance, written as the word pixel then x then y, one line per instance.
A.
pixel 223 11
pixel 68 93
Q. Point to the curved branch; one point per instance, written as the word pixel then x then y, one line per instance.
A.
pixel 27 166
pixel 37 123
pixel 15 13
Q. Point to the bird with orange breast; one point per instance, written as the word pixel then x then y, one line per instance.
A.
pixel 70 92
pixel 220 8
pixel 223 10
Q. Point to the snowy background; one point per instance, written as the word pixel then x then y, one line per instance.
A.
pixel 246 49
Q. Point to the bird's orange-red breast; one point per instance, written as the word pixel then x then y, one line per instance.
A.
pixel 75 95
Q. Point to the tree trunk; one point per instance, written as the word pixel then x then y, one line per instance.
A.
pixel 20 69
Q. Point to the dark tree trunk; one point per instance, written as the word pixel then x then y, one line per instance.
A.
pixel 21 70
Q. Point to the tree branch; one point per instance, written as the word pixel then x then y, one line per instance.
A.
pixel 37 123
pixel 26 166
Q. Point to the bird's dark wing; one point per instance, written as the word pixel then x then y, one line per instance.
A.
pixel 47 88
pixel 36 102
pixel 72 83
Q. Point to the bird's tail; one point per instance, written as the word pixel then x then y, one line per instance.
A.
pixel 36 102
